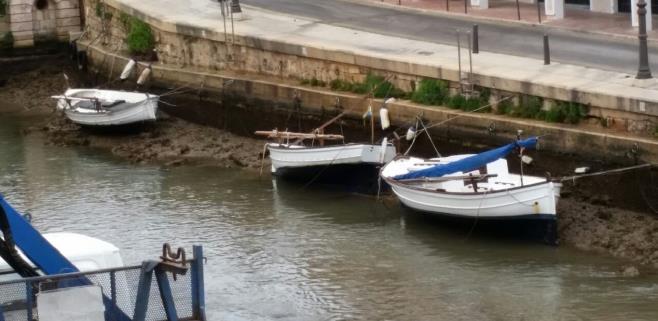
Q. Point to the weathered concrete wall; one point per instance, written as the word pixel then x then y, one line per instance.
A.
pixel 468 127
pixel 53 21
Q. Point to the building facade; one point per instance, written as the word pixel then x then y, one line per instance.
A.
pixel 32 21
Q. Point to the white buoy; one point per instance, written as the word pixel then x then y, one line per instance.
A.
pixel 368 112
pixel 526 159
pixel 383 116
pixel 128 69
pixel 411 133
pixel 144 76
pixel 382 152
pixel 581 170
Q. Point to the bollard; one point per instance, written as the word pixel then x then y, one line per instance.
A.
pixel 547 51
pixel 476 45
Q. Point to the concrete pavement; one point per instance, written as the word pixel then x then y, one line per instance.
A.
pixel 603 52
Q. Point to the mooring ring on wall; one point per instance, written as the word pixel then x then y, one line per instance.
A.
pixel 492 128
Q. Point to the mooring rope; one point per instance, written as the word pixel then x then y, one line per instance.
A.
pixel 607 172
pixel 430 126
pixel 477 216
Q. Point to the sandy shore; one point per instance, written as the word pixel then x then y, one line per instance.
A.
pixel 585 222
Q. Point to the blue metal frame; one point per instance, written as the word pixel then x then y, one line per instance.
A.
pixel 198 289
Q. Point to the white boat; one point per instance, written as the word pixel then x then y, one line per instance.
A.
pixel 355 165
pixel 290 157
pixel 97 107
pixel 472 186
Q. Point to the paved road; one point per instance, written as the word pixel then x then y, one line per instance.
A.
pixel 568 47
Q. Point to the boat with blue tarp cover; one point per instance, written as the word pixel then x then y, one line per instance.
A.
pixel 473 186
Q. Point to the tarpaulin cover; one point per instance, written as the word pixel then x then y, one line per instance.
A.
pixel 37 249
pixel 470 163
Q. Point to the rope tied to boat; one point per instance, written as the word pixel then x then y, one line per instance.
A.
pixel 430 126
pixel 606 172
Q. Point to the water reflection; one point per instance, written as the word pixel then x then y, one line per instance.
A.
pixel 278 251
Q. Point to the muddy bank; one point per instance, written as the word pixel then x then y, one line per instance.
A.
pixel 170 141
pixel 606 229
pixel 26 85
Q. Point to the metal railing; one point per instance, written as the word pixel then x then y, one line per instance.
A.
pixel 129 293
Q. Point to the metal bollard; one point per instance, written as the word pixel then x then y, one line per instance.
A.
pixel 547 51
pixel 476 44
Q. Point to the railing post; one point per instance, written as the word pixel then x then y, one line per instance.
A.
pixel 29 300
pixel 165 294
pixel 113 294
pixel 143 290
pixel 198 290
pixel 547 51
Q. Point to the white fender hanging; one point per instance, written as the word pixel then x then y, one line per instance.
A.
pixel 382 151
pixel 411 133
pixel 128 69
pixel 383 116
pixel 144 76
pixel 368 112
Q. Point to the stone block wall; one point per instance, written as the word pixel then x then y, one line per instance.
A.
pixel 53 20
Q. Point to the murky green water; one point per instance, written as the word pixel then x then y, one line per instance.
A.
pixel 276 252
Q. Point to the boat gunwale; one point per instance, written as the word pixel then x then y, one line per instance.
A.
pixel 304 147
pixel 393 182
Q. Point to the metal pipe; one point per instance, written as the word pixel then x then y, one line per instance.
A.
pixel 232 25
pixel 547 51
pixel 459 61
pixel 470 64
pixel 476 44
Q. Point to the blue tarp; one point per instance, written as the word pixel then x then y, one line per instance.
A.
pixel 37 249
pixel 470 163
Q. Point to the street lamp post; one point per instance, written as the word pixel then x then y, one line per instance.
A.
pixel 643 71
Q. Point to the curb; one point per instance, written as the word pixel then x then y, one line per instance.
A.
pixel 497 21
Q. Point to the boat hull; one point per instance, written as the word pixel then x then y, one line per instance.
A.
pixel 357 178
pixel 354 166
pixel 542 229
pixel 536 202
pixel 140 108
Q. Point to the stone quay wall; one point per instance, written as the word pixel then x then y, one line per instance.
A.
pixel 271 71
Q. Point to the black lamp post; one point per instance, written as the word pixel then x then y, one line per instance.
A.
pixel 643 71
